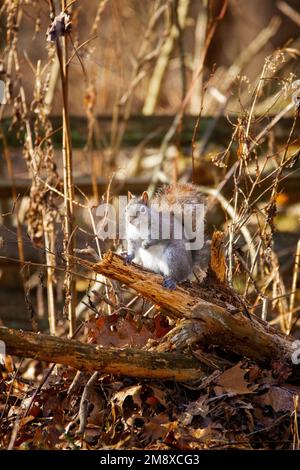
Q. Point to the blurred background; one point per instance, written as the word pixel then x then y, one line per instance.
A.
pixel 159 91
pixel 123 44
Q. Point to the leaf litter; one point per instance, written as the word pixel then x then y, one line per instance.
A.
pixel 239 406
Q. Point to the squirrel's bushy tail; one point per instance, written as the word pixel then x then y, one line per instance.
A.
pixel 178 197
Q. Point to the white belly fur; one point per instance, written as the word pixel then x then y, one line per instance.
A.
pixel 153 259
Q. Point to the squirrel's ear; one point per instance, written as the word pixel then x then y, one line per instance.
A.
pixel 145 197
pixel 129 195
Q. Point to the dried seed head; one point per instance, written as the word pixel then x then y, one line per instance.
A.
pixel 59 27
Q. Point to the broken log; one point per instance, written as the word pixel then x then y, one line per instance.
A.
pixel 210 320
pixel 125 362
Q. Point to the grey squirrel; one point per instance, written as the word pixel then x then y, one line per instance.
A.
pixel 159 236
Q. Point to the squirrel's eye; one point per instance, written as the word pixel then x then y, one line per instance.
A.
pixel 143 210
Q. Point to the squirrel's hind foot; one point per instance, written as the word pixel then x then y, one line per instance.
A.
pixel 169 283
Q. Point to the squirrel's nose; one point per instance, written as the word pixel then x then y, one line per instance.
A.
pixel 131 218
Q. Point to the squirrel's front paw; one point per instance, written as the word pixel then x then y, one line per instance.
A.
pixel 169 283
pixel 129 257
pixel 145 244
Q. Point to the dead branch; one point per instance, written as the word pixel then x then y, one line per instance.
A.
pixel 126 362
pixel 215 322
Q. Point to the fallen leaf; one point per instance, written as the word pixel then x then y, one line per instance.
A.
pixel 156 428
pixel 118 332
pixel 233 381
pixel 279 398
pixel 134 392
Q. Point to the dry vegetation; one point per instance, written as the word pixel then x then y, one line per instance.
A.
pixel 129 95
